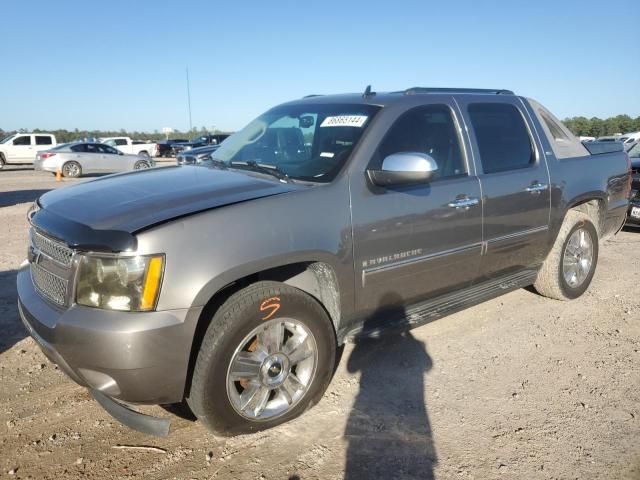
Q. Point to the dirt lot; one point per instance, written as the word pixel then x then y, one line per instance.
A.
pixel 519 387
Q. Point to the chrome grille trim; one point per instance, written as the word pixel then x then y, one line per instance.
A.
pixel 49 285
pixel 57 251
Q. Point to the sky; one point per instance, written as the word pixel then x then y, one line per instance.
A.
pixel 121 64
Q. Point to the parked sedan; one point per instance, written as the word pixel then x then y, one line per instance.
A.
pixel 196 156
pixel 79 158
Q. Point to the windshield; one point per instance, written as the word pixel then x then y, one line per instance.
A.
pixel 304 142
pixel 6 139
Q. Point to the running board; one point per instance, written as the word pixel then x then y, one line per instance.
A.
pixel 433 309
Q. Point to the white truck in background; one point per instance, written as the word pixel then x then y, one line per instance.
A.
pixel 21 148
pixel 126 145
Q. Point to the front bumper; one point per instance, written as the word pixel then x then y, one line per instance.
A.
pixel 129 356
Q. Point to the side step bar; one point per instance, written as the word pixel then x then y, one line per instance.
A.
pixel 433 309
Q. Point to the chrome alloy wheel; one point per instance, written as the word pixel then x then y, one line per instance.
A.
pixel 578 258
pixel 272 369
pixel 71 170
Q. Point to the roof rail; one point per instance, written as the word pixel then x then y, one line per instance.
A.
pixel 420 90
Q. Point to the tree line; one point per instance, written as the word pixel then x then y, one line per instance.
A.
pixel 581 126
pixel 597 127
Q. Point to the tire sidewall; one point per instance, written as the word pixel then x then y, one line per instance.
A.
pixel 72 176
pixel 213 406
pixel 567 290
pixel 139 163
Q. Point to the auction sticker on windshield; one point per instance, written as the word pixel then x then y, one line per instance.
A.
pixel 345 121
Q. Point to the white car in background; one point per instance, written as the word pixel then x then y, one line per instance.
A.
pixel 80 158
pixel 126 145
pixel 21 148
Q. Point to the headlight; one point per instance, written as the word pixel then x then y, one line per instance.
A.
pixel 119 283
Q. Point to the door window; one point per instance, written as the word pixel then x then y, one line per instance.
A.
pixel 80 148
pixel 502 136
pixel 430 129
pixel 120 141
pixel 108 150
pixel 43 140
pixel 24 140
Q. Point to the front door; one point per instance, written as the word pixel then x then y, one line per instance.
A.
pixel 420 241
pixel 21 150
pixel 515 185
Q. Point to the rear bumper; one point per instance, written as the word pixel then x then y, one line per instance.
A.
pixel 132 357
pixel 631 220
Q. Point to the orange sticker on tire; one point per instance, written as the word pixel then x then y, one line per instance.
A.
pixel 272 305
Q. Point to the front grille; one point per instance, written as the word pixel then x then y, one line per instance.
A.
pixel 50 285
pixel 56 250
pixel 51 262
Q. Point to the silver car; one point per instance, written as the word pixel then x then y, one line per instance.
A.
pixel 79 158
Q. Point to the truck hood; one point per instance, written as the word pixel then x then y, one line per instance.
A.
pixel 104 214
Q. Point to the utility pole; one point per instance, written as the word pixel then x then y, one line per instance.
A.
pixel 189 101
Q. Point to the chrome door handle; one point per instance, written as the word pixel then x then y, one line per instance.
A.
pixel 464 203
pixel 536 188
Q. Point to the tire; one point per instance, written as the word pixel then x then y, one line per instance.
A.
pixel 556 278
pixel 144 154
pixel 141 165
pixel 219 387
pixel 2 161
pixel 72 170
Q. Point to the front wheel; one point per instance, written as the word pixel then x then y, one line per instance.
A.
pixel 72 169
pixel 267 356
pixel 2 162
pixel 141 165
pixel 569 268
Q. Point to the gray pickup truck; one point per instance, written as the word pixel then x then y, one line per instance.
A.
pixel 328 218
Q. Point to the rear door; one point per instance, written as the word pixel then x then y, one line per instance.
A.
pixel 42 142
pixel 89 157
pixel 417 242
pixel 515 184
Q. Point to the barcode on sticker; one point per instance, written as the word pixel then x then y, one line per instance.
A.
pixel 345 121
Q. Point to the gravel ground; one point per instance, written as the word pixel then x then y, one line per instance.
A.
pixel 518 387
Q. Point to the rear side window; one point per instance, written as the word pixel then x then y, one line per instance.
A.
pixel 554 128
pixel 43 140
pixel 79 148
pixel 25 140
pixel 121 141
pixel 502 137
pixel 429 129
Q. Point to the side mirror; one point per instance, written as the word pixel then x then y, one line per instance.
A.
pixel 120 153
pixel 404 168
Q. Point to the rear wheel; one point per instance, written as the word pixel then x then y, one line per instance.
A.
pixel 141 165
pixel 72 170
pixel 267 356
pixel 144 153
pixel 568 270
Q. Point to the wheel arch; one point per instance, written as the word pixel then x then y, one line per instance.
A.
pixel 594 206
pixel 316 278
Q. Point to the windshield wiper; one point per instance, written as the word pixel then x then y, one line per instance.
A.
pixel 262 168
